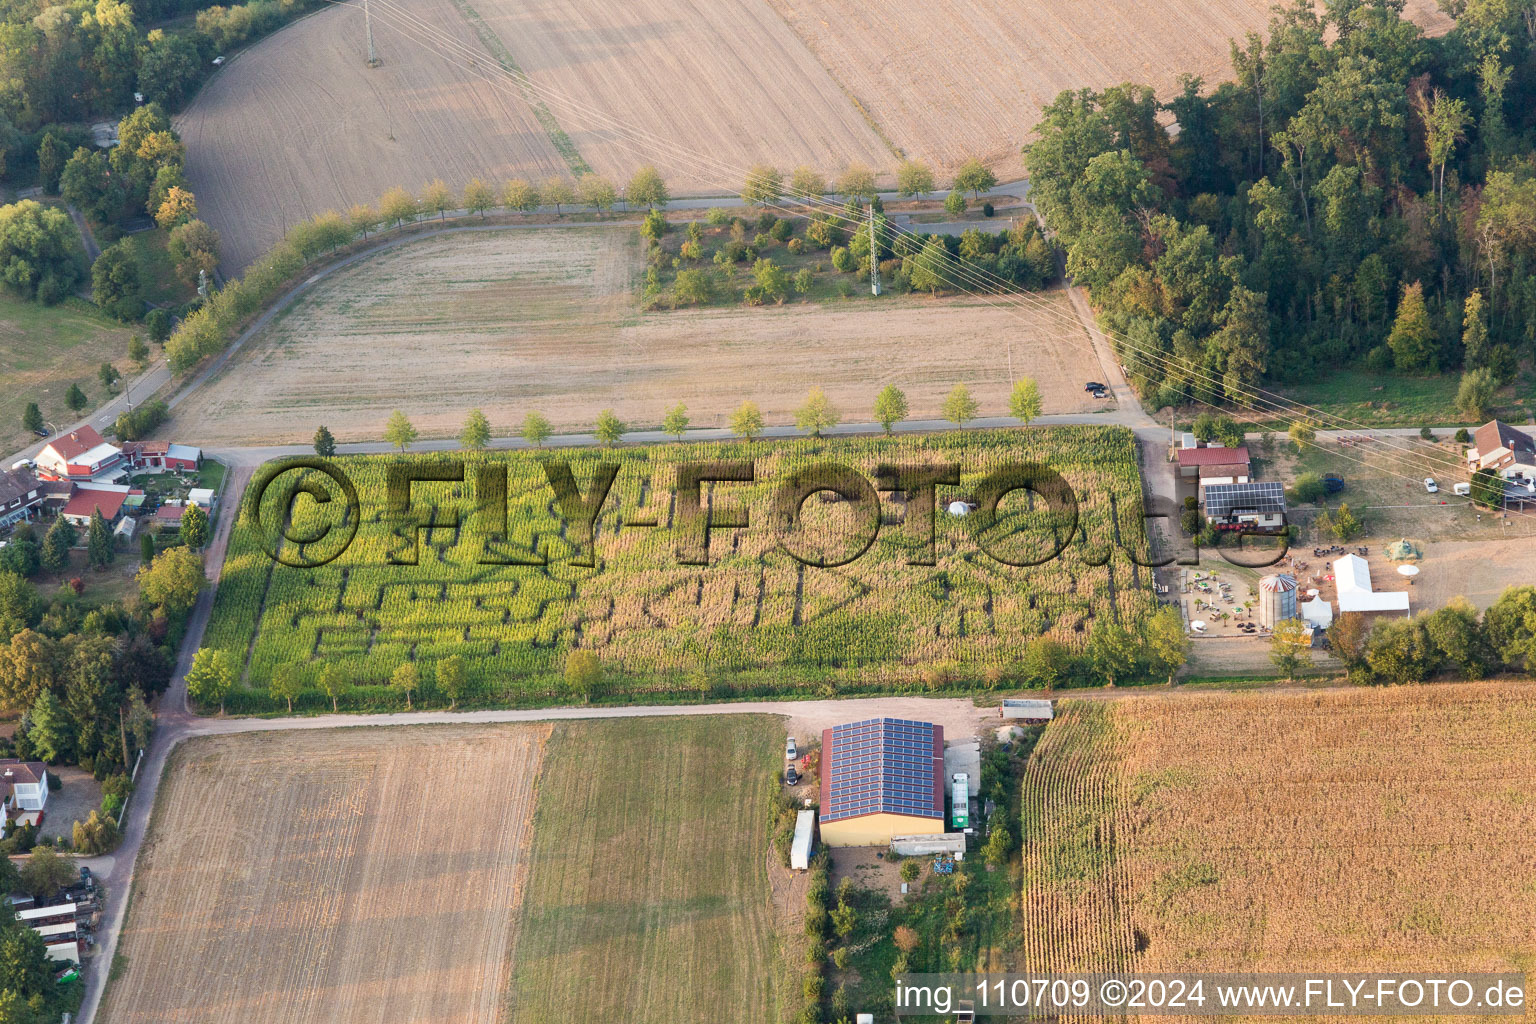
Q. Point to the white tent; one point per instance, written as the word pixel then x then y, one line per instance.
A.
pixel 1353 576
pixel 1317 612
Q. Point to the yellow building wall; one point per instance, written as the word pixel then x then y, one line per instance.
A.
pixel 877 829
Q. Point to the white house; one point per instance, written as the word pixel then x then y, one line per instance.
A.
pixel 26 784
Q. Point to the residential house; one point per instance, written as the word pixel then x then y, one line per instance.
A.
pixel 81 455
pixel 1510 453
pixel 24 785
pixel 1255 507
pixel 21 496
pixel 88 498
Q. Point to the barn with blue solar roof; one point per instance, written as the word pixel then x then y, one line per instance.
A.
pixel 881 778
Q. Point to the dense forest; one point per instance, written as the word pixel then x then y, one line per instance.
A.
pixel 1359 194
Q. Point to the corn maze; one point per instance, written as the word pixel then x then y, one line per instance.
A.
pixel 499 580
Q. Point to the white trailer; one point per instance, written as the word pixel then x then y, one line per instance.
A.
pixel 805 841
pixel 1033 711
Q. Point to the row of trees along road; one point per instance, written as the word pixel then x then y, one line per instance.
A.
pixel 1360 193
pixel 815 415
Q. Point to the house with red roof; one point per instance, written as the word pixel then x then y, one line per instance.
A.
pixel 1236 460
pixel 81 455
pixel 162 457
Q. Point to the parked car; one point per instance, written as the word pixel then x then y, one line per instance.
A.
pixel 790 753
pixel 218 61
pixel 1094 385
pixel 1431 486
pixel 1101 393
pixel 791 777
pixel 40 432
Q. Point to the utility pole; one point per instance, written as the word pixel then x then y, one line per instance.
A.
pixel 874 255
pixel 373 57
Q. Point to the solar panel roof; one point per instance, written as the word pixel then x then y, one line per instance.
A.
pixel 1267 497
pixel 882 766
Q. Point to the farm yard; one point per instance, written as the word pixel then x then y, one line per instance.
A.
pixel 299 124
pixel 1378 829
pixel 350 875
pixel 549 320
pixel 761 620
pixel 648 899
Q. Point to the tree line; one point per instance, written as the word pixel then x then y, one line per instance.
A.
pixel 1359 194
pixel 814 416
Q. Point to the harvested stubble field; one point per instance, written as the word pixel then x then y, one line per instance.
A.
pixel 760 620
pixel 953 79
pixel 649 900
pixel 378 881
pixel 1366 830
pixel 299 124
pixel 547 319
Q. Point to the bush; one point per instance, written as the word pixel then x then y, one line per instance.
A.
pixel 783 230
pixel 1462 436
pixel 1308 487
pixel 717 216
pixel 843 261
pixel 987 210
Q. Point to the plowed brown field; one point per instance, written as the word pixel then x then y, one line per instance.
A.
pixel 545 319
pixel 300 124
pixel 355 875
pixel 717 82
pixel 950 79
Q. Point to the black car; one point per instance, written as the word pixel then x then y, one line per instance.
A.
pixel 40 432
pixel 791 777
pixel 1094 385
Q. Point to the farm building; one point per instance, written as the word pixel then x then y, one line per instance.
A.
pixel 1250 506
pixel 107 498
pixel 881 778
pixel 21 496
pixel 1193 460
pixel 1032 712
pixel 1352 574
pixel 81 455
pixel 162 457
pixel 804 843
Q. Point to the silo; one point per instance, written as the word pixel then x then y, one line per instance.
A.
pixel 1277 600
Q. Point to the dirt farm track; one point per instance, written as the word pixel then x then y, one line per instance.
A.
pixel 299 123
pixel 359 876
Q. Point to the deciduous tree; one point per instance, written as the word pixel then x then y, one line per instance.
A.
pixel 520 195
pixel 450 679
pixel 478 197
pixel 597 192
pixel 913 178
pixel 211 676
pixel 399 431
pixel 747 420
pixel 609 429
pixel 172 581
pixel 1288 644
pixel 398 206
pixel 890 407
pixel 1024 402
pixel 536 429
pixel 287 682
pixel 194 527
pixel 647 187
pixel 117 284
pixel 407 680
pixel 675 422
pixel 335 682
pixel 583 673
pixel 858 181
pixel 975 177
pixel 476 433
pixel 959 407
pixel 764 185
pixel 436 197
pixel 816 413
